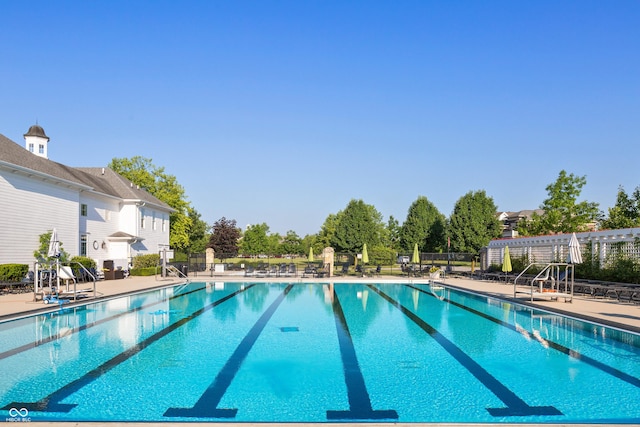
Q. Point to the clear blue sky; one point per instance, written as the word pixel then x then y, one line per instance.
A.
pixel 283 111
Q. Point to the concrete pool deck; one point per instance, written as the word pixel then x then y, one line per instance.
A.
pixel 609 312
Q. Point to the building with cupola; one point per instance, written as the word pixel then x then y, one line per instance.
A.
pixel 96 212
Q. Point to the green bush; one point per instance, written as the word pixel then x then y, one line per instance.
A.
pixel 85 261
pixel 144 271
pixel 13 272
pixel 145 261
pixel 380 255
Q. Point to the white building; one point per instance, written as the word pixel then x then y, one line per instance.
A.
pixel 603 244
pixel 96 212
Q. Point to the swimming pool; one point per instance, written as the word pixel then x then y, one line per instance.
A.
pixel 296 352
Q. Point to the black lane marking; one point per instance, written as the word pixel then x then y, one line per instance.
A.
pixel 51 403
pixel 81 328
pixel 359 401
pixel 207 405
pixel 623 376
pixel 515 405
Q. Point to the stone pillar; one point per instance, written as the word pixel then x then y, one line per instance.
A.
pixel 210 258
pixel 328 256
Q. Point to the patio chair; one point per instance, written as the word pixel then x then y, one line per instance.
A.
pixel 345 269
pixel 293 271
pixel 377 271
pixel 322 271
pixel 283 270
pixel 249 271
pixel 309 271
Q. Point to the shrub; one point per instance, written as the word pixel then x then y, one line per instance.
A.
pixel 85 261
pixel 13 272
pixel 145 271
pixel 145 261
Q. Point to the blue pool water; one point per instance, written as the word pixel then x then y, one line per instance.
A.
pixel 251 352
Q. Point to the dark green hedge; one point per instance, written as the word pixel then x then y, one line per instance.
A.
pixel 146 271
pixel 13 272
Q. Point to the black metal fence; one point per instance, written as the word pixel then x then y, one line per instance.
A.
pixel 197 263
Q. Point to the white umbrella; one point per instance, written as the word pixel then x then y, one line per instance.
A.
pixel 54 251
pixel 54 245
pixel 575 255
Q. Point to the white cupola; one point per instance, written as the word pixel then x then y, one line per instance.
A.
pixel 36 141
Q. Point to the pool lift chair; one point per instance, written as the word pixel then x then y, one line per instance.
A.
pixel 554 281
pixel 48 276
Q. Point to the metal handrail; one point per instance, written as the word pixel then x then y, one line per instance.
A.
pixel 177 272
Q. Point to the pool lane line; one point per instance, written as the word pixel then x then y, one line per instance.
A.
pixel 515 405
pixel 207 404
pixel 623 376
pixel 34 344
pixel 51 403
pixel 358 396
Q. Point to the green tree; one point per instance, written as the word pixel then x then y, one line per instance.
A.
pixel 224 238
pixel 625 213
pixel 425 225
pixel 393 233
pixel 473 223
pixel 358 224
pixel 255 240
pixel 142 172
pixel 561 211
pixel 198 233
pixel 274 244
pixel 327 231
pixel 291 244
pixel 311 241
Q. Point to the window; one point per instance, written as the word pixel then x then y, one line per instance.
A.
pixel 41 149
pixel 31 147
pixel 164 225
pixel 83 245
pixel 142 218
pixel 83 209
pixel 153 222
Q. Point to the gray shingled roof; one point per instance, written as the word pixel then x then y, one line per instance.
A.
pixel 109 182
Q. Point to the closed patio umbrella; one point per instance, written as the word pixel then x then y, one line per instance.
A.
pixel 54 252
pixel 506 262
pixel 54 245
pixel 575 255
pixel 310 258
pixel 365 254
pixel 415 259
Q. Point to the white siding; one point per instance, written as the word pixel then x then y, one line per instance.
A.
pixel 30 207
pixel 101 222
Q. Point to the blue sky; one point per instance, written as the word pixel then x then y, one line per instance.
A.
pixel 283 111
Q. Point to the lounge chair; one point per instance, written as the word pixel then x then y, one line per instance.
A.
pixel 283 270
pixel 344 270
pixel 293 271
pixel 322 271
pixel 309 271
pixel 249 271
pixel 262 270
pixel 359 270
pixel 377 271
